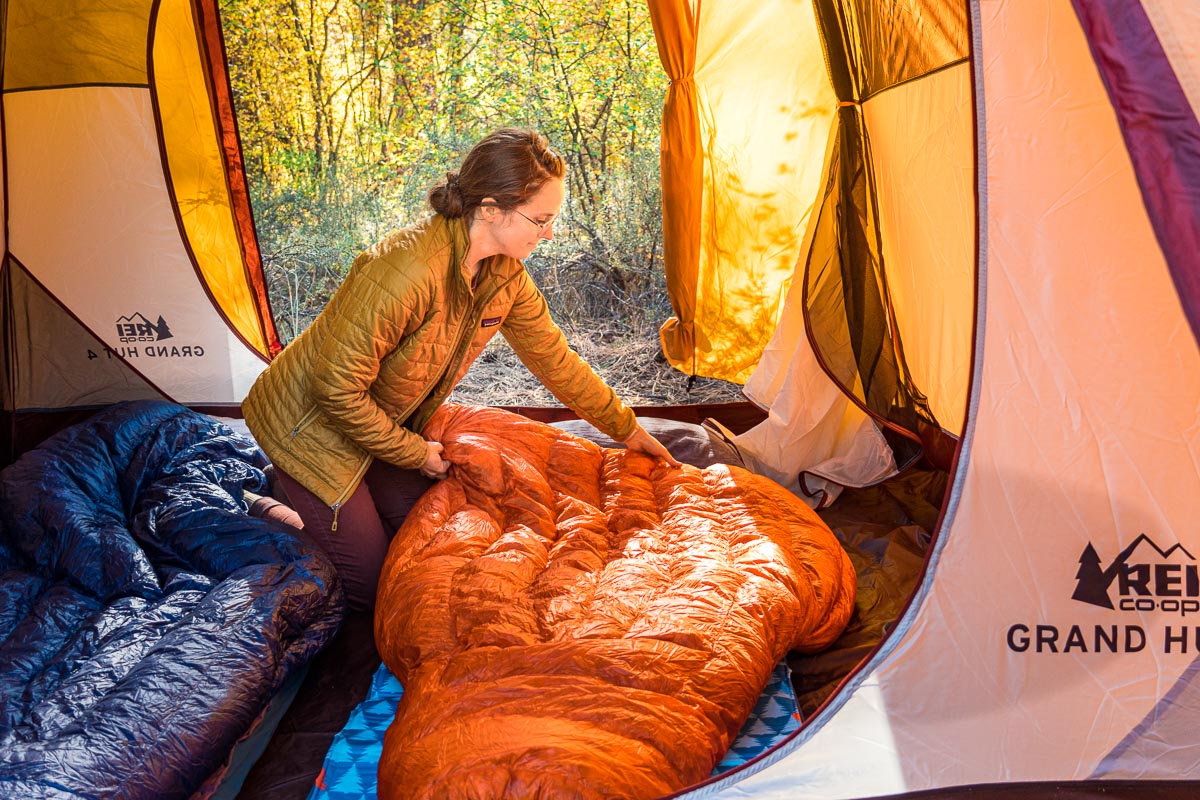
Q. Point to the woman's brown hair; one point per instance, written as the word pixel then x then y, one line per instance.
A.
pixel 508 166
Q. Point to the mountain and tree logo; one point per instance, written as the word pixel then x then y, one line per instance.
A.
pixel 138 328
pixel 1166 577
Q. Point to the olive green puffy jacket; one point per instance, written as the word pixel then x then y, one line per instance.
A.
pixel 396 337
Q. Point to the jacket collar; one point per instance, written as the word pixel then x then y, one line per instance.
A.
pixel 460 243
pixel 498 268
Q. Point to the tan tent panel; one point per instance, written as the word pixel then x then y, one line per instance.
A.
pixel 743 133
pixel 920 134
pixel 52 375
pixel 75 43
pixel 127 209
pixel 1177 25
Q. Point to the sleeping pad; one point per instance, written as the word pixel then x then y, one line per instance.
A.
pixel 145 620
pixel 570 621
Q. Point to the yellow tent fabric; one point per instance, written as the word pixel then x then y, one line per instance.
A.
pixel 744 130
pixel 881 308
pixel 682 170
pixel 197 171
pixel 888 264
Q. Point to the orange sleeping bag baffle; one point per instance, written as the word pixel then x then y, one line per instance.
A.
pixel 570 621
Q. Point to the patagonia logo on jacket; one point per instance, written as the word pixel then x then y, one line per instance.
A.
pixel 491 322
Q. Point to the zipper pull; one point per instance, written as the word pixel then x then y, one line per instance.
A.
pixel 336 507
pixel 295 431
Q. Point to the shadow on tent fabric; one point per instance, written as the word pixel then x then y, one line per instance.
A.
pixel 886 530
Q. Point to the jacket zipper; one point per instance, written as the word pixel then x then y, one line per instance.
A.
pixel 337 506
pixel 458 339
pixel 307 418
pixel 362 468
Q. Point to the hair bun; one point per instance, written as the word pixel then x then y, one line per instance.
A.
pixel 446 197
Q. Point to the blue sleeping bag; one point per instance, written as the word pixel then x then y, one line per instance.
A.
pixel 145 619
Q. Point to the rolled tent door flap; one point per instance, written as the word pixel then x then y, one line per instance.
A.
pixel 745 124
pixel 681 169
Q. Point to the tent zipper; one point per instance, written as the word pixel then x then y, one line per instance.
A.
pixel 353 484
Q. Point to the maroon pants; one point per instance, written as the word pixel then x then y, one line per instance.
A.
pixel 366 523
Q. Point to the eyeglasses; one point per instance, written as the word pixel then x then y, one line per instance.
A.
pixel 541 226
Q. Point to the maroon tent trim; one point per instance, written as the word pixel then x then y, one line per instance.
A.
pixel 1161 133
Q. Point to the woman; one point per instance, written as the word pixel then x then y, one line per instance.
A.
pixel 340 410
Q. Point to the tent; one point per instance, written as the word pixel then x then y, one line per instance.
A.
pixel 967 230
pixel 1053 149
pixel 131 268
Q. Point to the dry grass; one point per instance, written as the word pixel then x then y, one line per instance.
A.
pixel 611 317
pixel 636 369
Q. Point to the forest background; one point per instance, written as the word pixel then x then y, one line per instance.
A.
pixel 349 110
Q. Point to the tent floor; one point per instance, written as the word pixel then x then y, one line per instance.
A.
pixel 338 680
pixel 886 530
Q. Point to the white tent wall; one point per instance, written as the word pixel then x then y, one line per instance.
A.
pixel 1085 433
pixel 110 260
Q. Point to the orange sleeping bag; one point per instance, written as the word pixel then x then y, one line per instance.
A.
pixel 571 621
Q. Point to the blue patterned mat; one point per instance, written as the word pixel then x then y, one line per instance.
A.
pixel 350 764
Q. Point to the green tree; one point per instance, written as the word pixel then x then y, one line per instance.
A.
pixel 350 109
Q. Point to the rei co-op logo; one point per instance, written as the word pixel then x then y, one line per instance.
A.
pixel 140 338
pixel 1143 577
pixel 136 328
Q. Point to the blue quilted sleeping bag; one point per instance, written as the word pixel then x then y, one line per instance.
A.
pixel 145 619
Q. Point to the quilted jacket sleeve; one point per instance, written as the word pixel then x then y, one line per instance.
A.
pixel 543 348
pixel 369 316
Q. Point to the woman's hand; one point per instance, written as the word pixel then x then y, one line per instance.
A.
pixel 435 466
pixel 643 442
